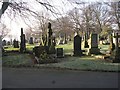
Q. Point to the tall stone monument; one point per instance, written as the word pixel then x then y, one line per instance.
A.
pixel 22 43
pixel 49 35
pixel 77 46
pixel 51 46
pixel 94 44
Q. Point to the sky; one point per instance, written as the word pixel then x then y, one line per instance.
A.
pixel 62 7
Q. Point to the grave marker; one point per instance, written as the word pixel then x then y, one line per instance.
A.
pixel 59 53
pixel 15 44
pixel 4 43
pixel 77 46
pixel 23 41
pixel 31 40
pixel 94 44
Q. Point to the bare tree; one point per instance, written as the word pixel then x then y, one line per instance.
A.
pixel 114 12
pixel 3 30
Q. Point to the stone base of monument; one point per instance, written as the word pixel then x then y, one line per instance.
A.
pixel 78 53
pixel 93 51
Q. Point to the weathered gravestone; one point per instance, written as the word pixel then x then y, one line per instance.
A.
pixel 4 43
pixel 8 43
pixel 23 41
pixel 94 44
pixel 15 44
pixel 59 53
pixel 31 40
pixel 117 50
pixel 77 46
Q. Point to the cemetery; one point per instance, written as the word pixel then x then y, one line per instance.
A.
pixel 84 45
pixel 72 56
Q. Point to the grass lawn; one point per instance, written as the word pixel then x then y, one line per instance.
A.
pixel 68 48
pixel 17 59
pixel 80 63
pixel 85 63
pixel 28 47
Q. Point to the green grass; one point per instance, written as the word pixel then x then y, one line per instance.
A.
pixel 16 59
pixel 85 63
pixel 68 48
pixel 28 47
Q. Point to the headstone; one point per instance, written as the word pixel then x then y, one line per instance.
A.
pixel 15 44
pixel 77 46
pixel 59 53
pixel 31 40
pixel 23 41
pixel 4 43
pixel 117 50
pixel 94 44
pixel 8 43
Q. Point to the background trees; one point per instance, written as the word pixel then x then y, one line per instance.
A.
pixel 85 17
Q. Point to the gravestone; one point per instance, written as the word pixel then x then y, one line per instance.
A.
pixel 15 44
pixel 4 43
pixel 59 53
pixel 31 40
pixel 117 50
pixel 23 41
pixel 77 46
pixel 94 44
pixel 8 43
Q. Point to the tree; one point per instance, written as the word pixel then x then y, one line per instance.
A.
pixel 114 13
pixel 3 30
